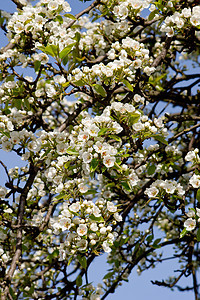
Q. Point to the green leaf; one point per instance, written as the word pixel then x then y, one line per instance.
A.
pixel 155 244
pixel 66 51
pixel 6 111
pixel 17 103
pixel 70 260
pixel 51 50
pixel 24 248
pixel 115 137
pixel 27 104
pixel 79 83
pixel 91 191
pixel 198 195
pixel 109 275
pixel 77 36
pixel 183 233
pixel 79 280
pixel 46 152
pixel 110 185
pixel 102 131
pixel 126 185
pixel 31 291
pixel 71 151
pixel 37 65
pixel 5 133
pixel 65 60
pixel 160 138
pixel 157 79
pixel 42 48
pixel 70 16
pixel 134 118
pixel 117 167
pixel 94 164
pixel 151 170
pixel 55 253
pixel 12 293
pixel 83 261
pixel 137 246
pixel 149 238
pixel 59 19
pixel 127 84
pixel 66 84
pixel 97 219
pixel 100 90
pixel 198 235
pixel 67 164
pixel 60 196
pixel 159 4
pixel 152 14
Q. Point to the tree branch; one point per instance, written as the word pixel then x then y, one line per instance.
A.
pixel 85 11
pixel 163 53
pixel 33 172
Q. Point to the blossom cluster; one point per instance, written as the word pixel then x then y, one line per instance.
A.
pixel 127 8
pixel 35 19
pixel 95 156
pixel 193 156
pixel 126 57
pixel 86 226
pixel 180 19
pixel 193 217
pixel 159 187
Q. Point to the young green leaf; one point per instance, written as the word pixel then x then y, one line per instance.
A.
pixel 102 131
pixel 151 170
pixel 152 14
pixel 94 164
pixel 83 261
pixel 109 275
pixel 100 90
pixel 127 84
pixel 115 137
pixel 156 244
pixel 79 83
pixel 70 260
pixel 66 51
pixel 160 138
pixel 71 151
pixel 37 65
pixel 198 195
pixel 70 16
pixel 51 50
pixel 59 19
pixel 79 280
pixel 126 185
pixel 97 219
pixel 42 48
pixel 183 233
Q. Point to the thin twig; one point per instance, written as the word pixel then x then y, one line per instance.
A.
pixel 183 132
pixel 85 11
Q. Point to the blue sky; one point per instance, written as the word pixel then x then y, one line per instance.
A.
pixel 138 287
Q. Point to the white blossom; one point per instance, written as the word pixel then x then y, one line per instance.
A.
pixel 82 230
pixel 195 181
pixel 190 224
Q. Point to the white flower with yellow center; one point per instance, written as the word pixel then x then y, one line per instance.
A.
pixel 109 161
pixel 190 224
pixel 195 181
pixel 82 230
